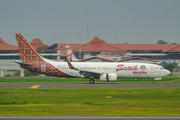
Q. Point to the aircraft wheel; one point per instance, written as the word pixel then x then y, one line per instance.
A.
pixel 91 81
pixel 154 82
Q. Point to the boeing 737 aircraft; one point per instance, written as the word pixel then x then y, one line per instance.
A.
pixel 108 71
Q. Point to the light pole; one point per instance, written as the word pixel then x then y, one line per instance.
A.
pixel 87 28
pixel 80 40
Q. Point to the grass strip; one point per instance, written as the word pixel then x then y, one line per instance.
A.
pixel 89 102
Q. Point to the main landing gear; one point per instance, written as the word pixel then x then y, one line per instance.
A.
pixel 91 81
pixel 154 81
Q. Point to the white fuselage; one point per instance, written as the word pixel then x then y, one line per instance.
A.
pixel 123 70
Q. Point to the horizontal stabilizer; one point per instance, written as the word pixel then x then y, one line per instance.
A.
pixel 21 63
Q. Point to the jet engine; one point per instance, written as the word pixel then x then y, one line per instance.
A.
pixel 108 77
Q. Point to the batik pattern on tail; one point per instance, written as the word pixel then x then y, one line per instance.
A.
pixel 30 56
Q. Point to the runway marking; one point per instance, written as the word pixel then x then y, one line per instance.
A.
pixel 108 97
pixel 35 86
pixel 161 84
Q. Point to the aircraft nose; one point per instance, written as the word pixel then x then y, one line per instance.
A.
pixel 167 72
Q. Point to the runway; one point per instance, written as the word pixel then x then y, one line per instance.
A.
pixel 91 86
pixel 89 118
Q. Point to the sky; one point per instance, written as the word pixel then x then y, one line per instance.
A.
pixel 114 21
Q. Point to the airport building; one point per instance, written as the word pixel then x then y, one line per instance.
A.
pixel 163 53
pixel 97 50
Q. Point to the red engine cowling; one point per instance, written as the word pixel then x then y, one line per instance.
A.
pixel 108 77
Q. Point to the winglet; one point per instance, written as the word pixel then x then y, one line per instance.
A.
pixel 70 65
pixel 70 60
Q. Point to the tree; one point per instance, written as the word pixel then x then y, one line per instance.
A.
pixel 48 57
pixel 43 47
pixel 169 67
pixel 173 43
pixel 162 42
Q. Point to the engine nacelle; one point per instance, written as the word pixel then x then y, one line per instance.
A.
pixel 108 77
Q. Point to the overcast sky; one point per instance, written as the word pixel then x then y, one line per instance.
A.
pixel 114 21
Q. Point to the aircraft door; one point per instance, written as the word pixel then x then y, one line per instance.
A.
pixel 100 68
pixel 152 69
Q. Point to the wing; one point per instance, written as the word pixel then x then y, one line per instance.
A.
pixel 84 73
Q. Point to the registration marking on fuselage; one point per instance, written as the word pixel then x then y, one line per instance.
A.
pixel 35 86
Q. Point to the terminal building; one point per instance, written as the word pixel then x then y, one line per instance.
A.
pixel 163 53
pixel 97 50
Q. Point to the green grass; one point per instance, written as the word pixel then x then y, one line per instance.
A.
pixel 77 80
pixel 89 102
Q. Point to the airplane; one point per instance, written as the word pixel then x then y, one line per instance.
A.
pixel 105 71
